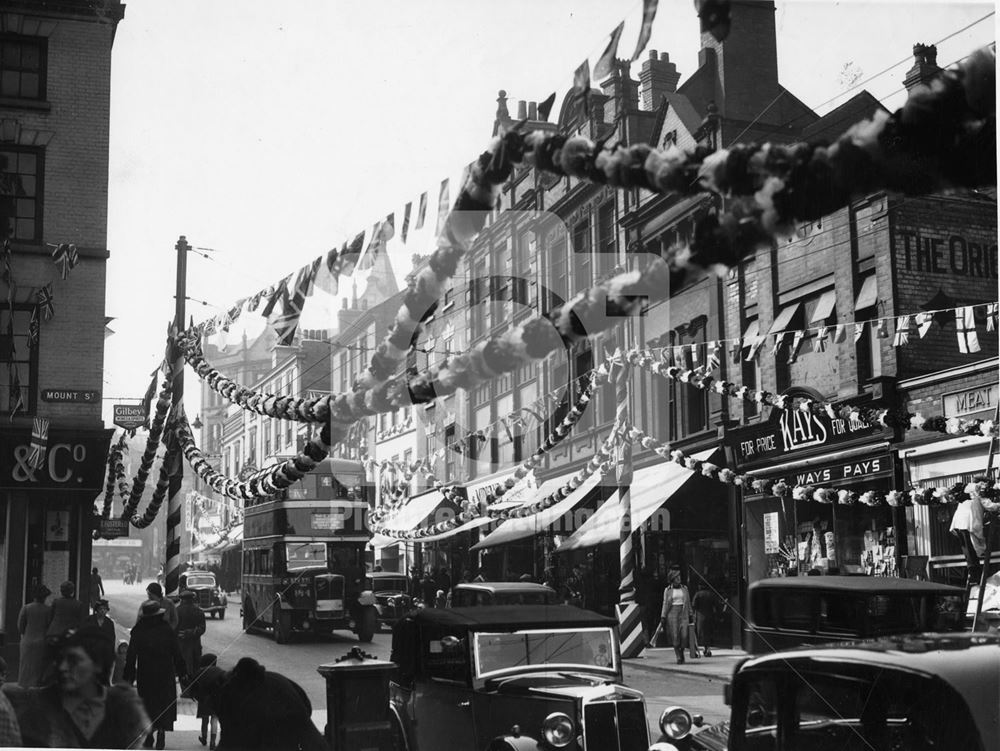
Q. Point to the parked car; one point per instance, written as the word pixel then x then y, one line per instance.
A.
pixel 208 594
pixel 392 601
pixel 918 692
pixel 475 594
pixel 518 678
pixel 799 610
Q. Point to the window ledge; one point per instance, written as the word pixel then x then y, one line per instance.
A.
pixel 25 104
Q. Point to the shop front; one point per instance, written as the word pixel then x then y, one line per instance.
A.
pixel 46 519
pixel 816 500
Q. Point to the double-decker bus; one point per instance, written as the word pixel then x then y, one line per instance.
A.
pixel 304 556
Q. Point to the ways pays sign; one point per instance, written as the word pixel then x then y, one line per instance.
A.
pixel 74 460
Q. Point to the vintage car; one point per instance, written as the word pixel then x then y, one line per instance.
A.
pixel 476 594
pixel 916 692
pixel 800 610
pixel 392 600
pixel 516 678
pixel 208 595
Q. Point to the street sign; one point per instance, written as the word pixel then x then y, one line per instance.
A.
pixel 129 416
pixel 80 396
pixel 113 527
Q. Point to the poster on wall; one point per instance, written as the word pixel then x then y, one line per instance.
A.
pixel 56 526
pixel 771 535
pixel 55 569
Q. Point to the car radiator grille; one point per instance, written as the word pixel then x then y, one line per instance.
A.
pixel 331 588
pixel 205 598
pixel 615 726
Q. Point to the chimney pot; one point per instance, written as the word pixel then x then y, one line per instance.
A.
pixel 652 54
pixel 532 110
pixel 522 110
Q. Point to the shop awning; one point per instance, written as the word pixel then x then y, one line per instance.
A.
pixel 784 318
pixel 824 307
pixel 949 458
pixel 651 488
pixel 234 539
pixel 515 529
pixel 868 295
pixel 413 513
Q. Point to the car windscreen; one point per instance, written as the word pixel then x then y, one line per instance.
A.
pixel 848 708
pixel 590 648
pixel 200 581
pixel 387 585
pixel 523 598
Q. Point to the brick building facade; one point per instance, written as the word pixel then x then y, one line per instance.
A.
pixel 54 124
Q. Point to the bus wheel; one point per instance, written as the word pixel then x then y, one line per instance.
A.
pixel 248 617
pixel 367 623
pixel 282 627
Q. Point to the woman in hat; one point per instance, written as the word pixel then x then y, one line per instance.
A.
pixel 101 619
pixel 190 627
pixel 79 709
pixel 154 663
pixel 32 623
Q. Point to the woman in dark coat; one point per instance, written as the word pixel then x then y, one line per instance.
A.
pixel 32 623
pixel 259 709
pixel 154 663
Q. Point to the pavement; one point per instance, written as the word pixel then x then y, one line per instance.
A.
pixel 719 666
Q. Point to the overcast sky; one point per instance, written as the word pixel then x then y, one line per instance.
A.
pixel 273 131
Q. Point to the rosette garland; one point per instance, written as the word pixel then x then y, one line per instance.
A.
pixel 162 409
pixel 601 462
pixel 116 474
pixel 266 483
pixel 553 439
pixel 167 468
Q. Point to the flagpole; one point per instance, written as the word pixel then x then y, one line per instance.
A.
pixel 172 568
pixel 633 640
pixel 988 532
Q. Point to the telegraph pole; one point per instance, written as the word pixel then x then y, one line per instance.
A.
pixel 174 502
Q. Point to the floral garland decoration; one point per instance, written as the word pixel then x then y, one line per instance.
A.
pixel 265 483
pixel 116 473
pixel 162 409
pixel 701 379
pixel 160 491
pixel 553 439
pixel 470 510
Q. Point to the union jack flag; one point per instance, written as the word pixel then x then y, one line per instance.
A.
pixel 44 300
pixel 65 256
pixel 33 328
pixel 39 443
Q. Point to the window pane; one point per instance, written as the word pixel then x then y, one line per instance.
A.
pixel 9 83
pixel 29 85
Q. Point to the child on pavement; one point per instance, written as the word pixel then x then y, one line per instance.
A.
pixel 210 676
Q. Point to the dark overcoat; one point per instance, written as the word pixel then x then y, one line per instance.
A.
pixel 154 662
pixel 267 712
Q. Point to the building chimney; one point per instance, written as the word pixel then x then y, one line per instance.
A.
pixel 658 76
pixel 532 110
pixel 621 90
pixel 924 68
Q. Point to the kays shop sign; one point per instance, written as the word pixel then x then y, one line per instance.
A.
pixel 793 431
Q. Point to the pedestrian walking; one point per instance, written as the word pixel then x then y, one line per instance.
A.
pixel 96 587
pixel 190 628
pixel 154 664
pixel 259 709
pixel 676 612
pixel 100 619
pixel 705 604
pixel 67 611
pixel 155 592
pixel 205 688
pixel 428 589
pixel 121 655
pixel 32 624
pixel 78 709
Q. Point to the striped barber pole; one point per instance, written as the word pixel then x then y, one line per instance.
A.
pixel 633 639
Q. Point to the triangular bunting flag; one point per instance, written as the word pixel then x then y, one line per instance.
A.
pixel 793 351
pixel 581 85
pixel 859 330
pixel 695 355
pixel 44 298
pixel 779 339
pixel 33 328
pixel 882 328
pixel 840 333
pixel 39 443
pixel 902 335
pixel 991 316
pixel 713 356
pixel 327 278
pixel 924 321
pixel 389 227
pixel 822 338
pixel 443 207
pixel 545 107
pixel 65 256
pixel 736 349
pixel 15 402
pixel 607 59
pixel 965 322
pixel 7 274
pixel 421 211
pixel 648 14
pixel 277 297
pixel 406 221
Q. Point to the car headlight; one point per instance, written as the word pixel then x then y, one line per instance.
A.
pixel 675 723
pixel 558 729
